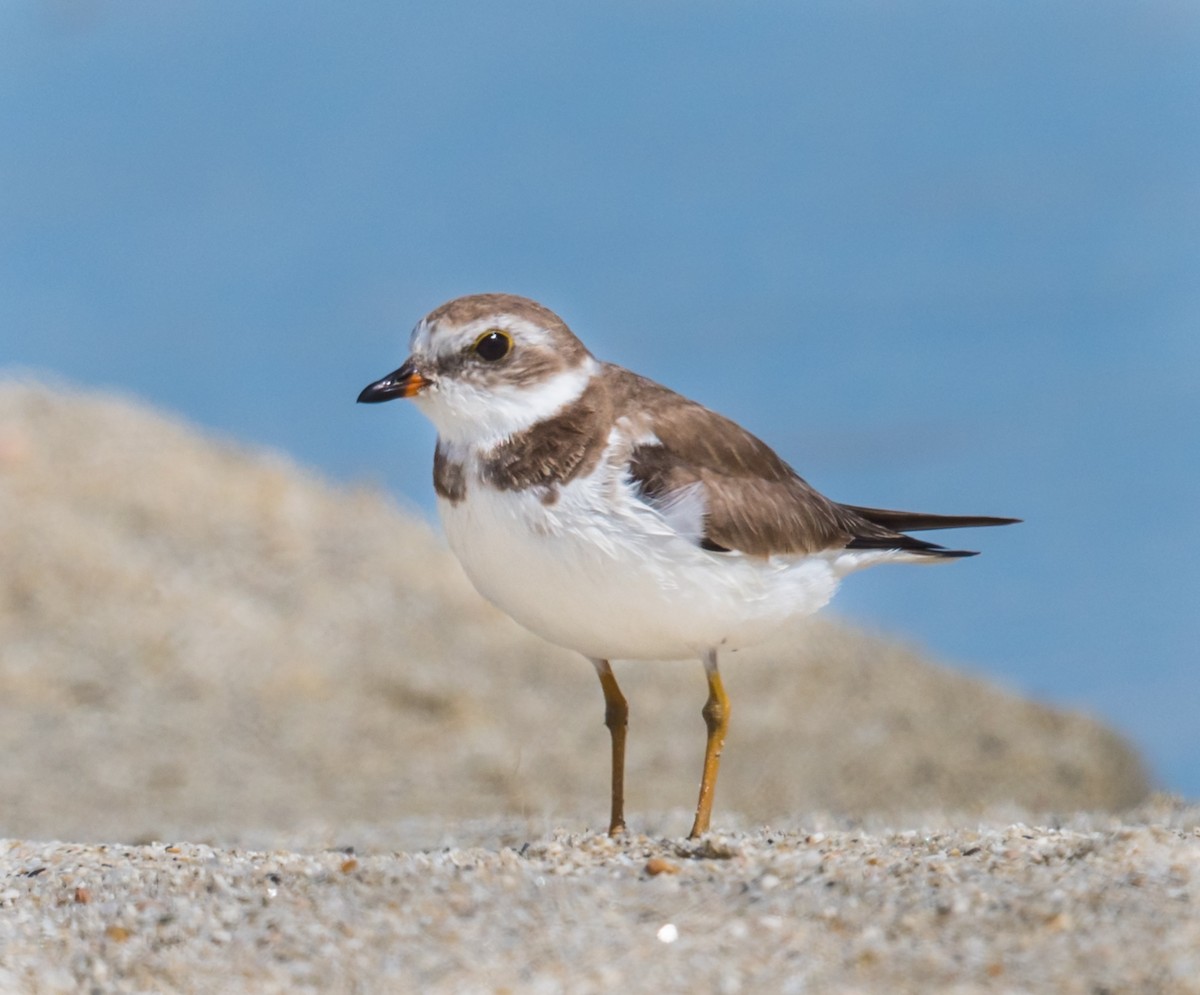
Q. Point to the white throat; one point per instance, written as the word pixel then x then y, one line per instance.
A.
pixel 469 417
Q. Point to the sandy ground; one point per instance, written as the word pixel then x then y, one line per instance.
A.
pixel 209 647
pixel 1087 906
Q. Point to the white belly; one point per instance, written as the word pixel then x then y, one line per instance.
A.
pixel 610 579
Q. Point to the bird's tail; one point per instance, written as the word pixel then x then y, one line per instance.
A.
pixel 891 526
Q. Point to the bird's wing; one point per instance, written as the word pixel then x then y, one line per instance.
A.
pixel 752 501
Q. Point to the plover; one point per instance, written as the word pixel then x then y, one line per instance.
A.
pixel 614 517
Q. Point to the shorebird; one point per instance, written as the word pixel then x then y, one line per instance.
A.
pixel 612 516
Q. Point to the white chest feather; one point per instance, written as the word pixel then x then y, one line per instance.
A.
pixel 598 571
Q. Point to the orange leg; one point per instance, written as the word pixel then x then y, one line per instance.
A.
pixel 716 718
pixel 616 717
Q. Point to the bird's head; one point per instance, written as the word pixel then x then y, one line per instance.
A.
pixel 486 366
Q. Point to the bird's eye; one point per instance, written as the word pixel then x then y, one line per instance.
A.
pixel 493 345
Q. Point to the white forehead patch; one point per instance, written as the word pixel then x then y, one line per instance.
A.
pixel 418 342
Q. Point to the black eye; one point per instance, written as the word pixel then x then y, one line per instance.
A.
pixel 493 345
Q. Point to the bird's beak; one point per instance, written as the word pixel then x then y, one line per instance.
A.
pixel 404 382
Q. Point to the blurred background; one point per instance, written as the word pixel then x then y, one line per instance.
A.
pixel 942 256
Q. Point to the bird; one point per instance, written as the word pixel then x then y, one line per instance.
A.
pixel 614 517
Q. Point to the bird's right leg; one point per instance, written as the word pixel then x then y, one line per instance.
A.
pixel 616 717
pixel 716 718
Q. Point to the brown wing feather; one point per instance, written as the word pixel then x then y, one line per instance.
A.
pixel 754 502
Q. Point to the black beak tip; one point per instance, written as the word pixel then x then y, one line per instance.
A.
pixel 372 393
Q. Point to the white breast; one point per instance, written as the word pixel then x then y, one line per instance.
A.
pixel 600 572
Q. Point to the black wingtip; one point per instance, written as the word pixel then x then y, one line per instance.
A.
pixel 915 521
pixel 908 544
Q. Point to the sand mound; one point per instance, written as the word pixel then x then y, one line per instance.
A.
pixel 199 639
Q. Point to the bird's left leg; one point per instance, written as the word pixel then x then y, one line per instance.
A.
pixel 616 717
pixel 716 718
